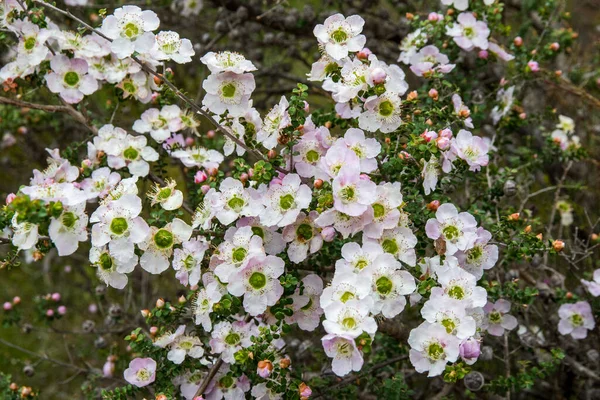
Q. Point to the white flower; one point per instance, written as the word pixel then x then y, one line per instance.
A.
pixel 357 259
pixel 259 283
pixel 199 157
pixel 410 44
pixel 506 99
pixel 346 286
pixel 187 261
pixel 304 237
pixel 593 286
pixel 228 338
pixel 381 113
pixel 306 306
pixel 498 319
pixel 390 285
pixel 457 230
pixel 159 123
pixel 451 314
pixel 135 156
pixel 138 85
pixel 130 28
pixel 344 223
pixel 168 197
pixel 345 354
pixel 272 240
pixel 111 270
pixel 86 46
pixel 350 318
pixel 158 245
pixel 432 347
pixel 233 201
pixel 385 209
pixel 399 242
pixel 352 194
pixel 168 46
pixel 227 61
pixel 460 5
pixel 185 346
pixel 262 392
pixel 482 256
pixel 366 149
pixel 469 33
pixel 576 319
pixel 69 229
pixel 25 234
pixel 565 124
pixel 239 246
pixel 102 181
pixel 460 285
pixel 228 91
pixel 32 43
pixel 274 122
pixel 69 78
pixel 203 306
pixel 118 224
pixel 430 174
pixel 284 201
pixel 341 35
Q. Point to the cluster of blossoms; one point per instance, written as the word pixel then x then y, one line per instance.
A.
pixel 329 185
pixel 564 134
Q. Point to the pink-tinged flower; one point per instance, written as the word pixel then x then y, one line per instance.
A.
pixel 130 28
pixel 275 121
pixel 69 78
pixel 227 61
pixel 108 369
pixel 462 111
pixel 341 35
pixel 350 318
pixel 470 350
pixel 62 310
pixel 284 201
pixel 344 223
pixel 10 197
pixel 141 372
pixel 309 151
pixel 7 306
pixel 498 320
pixel 352 195
pixel 533 66
pixel 481 256
pixel 473 149
pixel 457 230
pixel 425 61
pixel 381 113
pixel 303 236
pixel 264 368
pixel 328 234
pixel 432 347
pixel 345 354
pixel 460 5
pixel 168 46
pixel 500 52
pixel 160 123
pixel 228 338
pixel 228 91
pixel 576 319
pixel 305 391
pixel 385 209
pixel 366 149
pixel 469 33
pixel 593 286
pixel 200 177
pixel 306 306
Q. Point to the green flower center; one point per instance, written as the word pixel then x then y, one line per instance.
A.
pixel 448 324
pixel 228 90
pixel 105 262
pixel 163 239
pixel 469 32
pixel 344 348
pixel 378 210
pixel 390 246
pixel 69 219
pixel 131 30
pixel 129 87
pixel 226 381
pixel 30 43
pixel 474 254
pixel 257 280
pixel 189 262
pixel 232 339
pixel 347 296
pixel 361 264
pixel 186 345
pixel 286 202
pixel 384 285
pixel 339 35
pixel 131 154
pixel 258 231
pixel 164 194
pixel 250 129
pixel 576 320
pixel 348 194
pixel 143 375
pixel 312 156
pixel 304 232
pixel 118 225
pixel 451 232
pixel 236 203
pixel 386 108
pixel 71 78
pixel 435 351
pixel 349 323
pixel 308 305
pixel 495 317
pixel 456 292
pixel 239 255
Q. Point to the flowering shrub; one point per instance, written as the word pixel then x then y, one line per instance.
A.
pixel 370 217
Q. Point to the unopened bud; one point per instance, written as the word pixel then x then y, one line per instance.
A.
pixel 539 236
pixel 285 362
pixel 518 41
pixel 182 299
pixel 272 154
pixel 364 54
pixel 378 75
pixel 527 229
pixel 433 94
pixel 433 205
pixel 153 330
pixel 145 313
pixel 318 184
pixel 412 95
pixel 554 46
pixel 160 303
pixel 558 245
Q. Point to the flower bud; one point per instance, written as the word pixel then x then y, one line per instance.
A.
pixel 554 46
pixel 594 237
pixel 22 130
pixel 7 306
pixel 527 229
pixel 50 312
pixel 272 154
pixel 429 136
pixel 558 245
pixel 470 349
pixel 182 299
pixel 205 188
pixel 378 75
pixel 318 183
pixel 513 217
pixel 189 141
pixel 569 295
pixel 25 391
pixel 285 362
pixel 523 115
pixel 108 369
pixel 10 197
pixel 306 107
pixel 160 303
pixel 14 387
pixel 200 177
pixel 518 41
pixel 244 177
pixel 305 391
pixel 429 122
pixel 62 310
pixel 410 16
pixel 210 134
pixel 364 54
pixel 433 17
pixel 264 369
pixel 145 313
pixel 558 73
pixel 161 397
pixel 16 300
pixel 153 330
pixel 433 205
pixel 56 297
pixel 533 66
pixel 412 95
pixel 540 236
pixel 328 234
pixel 443 143
pixel 433 94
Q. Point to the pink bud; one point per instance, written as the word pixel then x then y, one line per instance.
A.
pixel 108 369
pixel 92 309
pixel 154 97
pixel 200 177
pixel 10 198
pixel 523 115
pixel 503 82
pixel 447 133
pixel 7 306
pixel 49 313
pixel 153 330
pixel 62 310
pixel 189 141
pixel 429 136
pixel 306 107
pixel 56 296
pixel 305 390
pixel 443 143
pixel 198 398
pixel 433 17
pixel 67 269
pixel 87 163
pixel 433 94
pixel 533 66
pixel 250 172
pixel 518 41
pixel 205 188
pixel 483 54
pixel 364 54
pixel 210 134
pixel 16 300
pixel 328 233
pixel 378 75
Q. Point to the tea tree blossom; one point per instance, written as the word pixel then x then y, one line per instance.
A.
pixel 159 123
pixel 25 234
pixel 187 261
pixel 259 283
pixel 451 314
pixel 101 182
pixel 458 284
pixel 389 286
pixel 69 78
pixel 130 29
pixel 456 229
pixel 481 256
pixel 228 91
pixel 233 201
pixel 158 245
pixel 367 149
pixel 462 111
pixel 340 35
pixel 112 271
pixel 432 347
pixel 168 197
pixel 424 62
pixel 337 157
pixel 273 242
pixel 351 194
pixel 227 61
pixel 344 287
pixel 399 242
pixel 411 44
pixel 141 372
pixel 168 46
pixel 381 113
pixel 576 319
pixel 345 354
pixel 309 151
pixel 498 319
pixel 350 318
pixel 183 346
pixel 469 33
pixel 239 246
pixel 228 338
pixel 203 305
pixel 283 201
pixel 358 260
pixel 506 98
pixel 306 306
pixel 565 124
pixel 32 43
pixel 69 229
pixel 303 237
pixel 345 224
pixel 460 5
pixel 274 122
pixel 198 156
pixel 593 286
pixel 133 152
pixel 472 149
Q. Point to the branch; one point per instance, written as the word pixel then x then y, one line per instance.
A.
pixel 43 357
